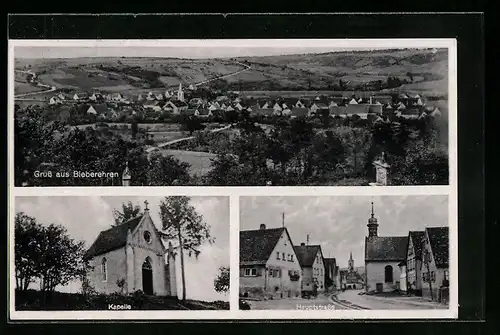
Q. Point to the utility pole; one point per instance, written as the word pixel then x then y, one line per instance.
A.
pixel 283 219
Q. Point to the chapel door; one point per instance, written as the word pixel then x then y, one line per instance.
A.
pixel 147 277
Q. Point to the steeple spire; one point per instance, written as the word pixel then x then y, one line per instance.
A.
pixel 372 224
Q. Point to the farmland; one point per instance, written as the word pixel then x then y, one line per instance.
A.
pixel 310 72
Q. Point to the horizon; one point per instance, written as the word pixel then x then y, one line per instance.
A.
pixel 186 53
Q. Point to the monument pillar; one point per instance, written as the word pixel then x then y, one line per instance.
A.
pixel 381 168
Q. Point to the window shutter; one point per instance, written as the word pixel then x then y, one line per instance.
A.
pixel 259 272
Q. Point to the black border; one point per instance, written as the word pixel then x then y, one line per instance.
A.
pixel 467 28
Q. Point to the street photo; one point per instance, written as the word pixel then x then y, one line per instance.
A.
pixel 231 112
pixel 331 253
pixel 117 253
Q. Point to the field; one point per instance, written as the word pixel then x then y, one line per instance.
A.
pixel 200 162
pixel 22 88
pixel 306 72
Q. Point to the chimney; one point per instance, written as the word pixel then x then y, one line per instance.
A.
pixel 307 239
pixel 262 226
pixel 302 244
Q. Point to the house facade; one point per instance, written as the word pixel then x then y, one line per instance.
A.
pixel 131 257
pixel 269 267
pixel 414 262
pixel 312 263
pixel 382 258
pixel 435 271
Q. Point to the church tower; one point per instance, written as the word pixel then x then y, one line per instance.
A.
pixel 372 225
pixel 180 93
pixel 351 264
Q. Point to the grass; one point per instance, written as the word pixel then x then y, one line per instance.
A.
pixel 32 300
pixel 22 88
pixel 200 162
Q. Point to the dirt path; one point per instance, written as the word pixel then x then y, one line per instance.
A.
pixel 48 88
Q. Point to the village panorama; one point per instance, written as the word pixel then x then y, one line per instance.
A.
pixel 337 118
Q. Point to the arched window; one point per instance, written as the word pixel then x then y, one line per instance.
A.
pixel 147 264
pixel 388 274
pixel 104 269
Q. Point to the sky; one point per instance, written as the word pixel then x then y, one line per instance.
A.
pixel 193 52
pixel 338 223
pixel 85 217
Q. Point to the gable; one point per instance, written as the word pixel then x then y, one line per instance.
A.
pixel 283 245
pixel 147 225
pixel 256 246
pixel 439 245
pixel 113 238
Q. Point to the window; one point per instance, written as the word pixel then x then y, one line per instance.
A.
pixel 104 269
pixel 250 272
pixel 147 237
pixel 277 255
pixel 291 258
pixel 284 258
pixel 388 274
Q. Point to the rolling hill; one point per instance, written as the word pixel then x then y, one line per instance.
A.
pixel 422 70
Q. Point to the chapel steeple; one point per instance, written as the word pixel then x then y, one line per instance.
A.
pixel 372 225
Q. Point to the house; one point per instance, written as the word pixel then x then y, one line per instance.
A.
pixel 435 263
pixel 132 253
pixel 96 96
pixel 55 100
pixel 331 274
pixel 152 105
pixel 313 266
pixel 382 257
pixel 203 113
pixel 80 96
pixel 159 96
pixel 299 112
pixel 414 262
pixel 116 97
pixel 61 96
pixel 269 266
pixel 318 107
pixel 98 109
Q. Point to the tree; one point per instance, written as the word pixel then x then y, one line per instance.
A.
pixel 129 211
pixel 221 282
pixel 27 234
pixel 164 170
pixel 181 223
pixel 47 253
pixel 134 127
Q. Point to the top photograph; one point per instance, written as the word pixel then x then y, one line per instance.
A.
pixel 231 112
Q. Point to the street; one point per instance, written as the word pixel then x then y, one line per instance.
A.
pixel 322 302
pixel 395 302
pixel 349 299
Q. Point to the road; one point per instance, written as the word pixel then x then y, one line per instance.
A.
pixel 165 144
pixel 48 88
pixel 353 298
pixel 247 67
pixel 322 302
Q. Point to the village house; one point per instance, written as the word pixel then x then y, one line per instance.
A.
pixel 55 100
pixel 98 109
pixel 132 254
pixel 331 274
pixel 414 262
pixel 96 97
pixel 153 105
pixel 269 267
pixel 61 96
pixel 313 266
pixel 382 257
pixel 80 96
pixel 435 253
